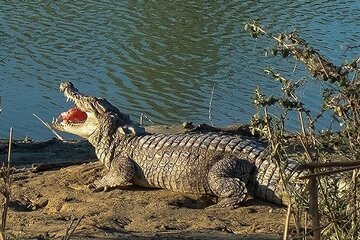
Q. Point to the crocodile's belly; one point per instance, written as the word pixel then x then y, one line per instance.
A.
pixel 181 162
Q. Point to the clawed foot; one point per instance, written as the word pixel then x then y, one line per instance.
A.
pixel 120 173
pixel 229 203
pixel 99 186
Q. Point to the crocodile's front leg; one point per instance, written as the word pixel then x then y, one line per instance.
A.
pixel 227 179
pixel 121 171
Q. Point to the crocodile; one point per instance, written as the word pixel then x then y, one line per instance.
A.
pixel 228 166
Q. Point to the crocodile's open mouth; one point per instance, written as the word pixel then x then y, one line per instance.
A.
pixel 73 115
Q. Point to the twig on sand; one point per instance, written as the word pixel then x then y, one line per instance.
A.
pixel 48 126
pixel 287 222
pixel 42 167
pixel 71 228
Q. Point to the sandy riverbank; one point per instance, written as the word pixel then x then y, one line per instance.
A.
pixel 44 202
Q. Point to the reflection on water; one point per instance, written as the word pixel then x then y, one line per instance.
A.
pixel 160 58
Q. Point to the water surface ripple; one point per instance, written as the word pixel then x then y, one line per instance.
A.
pixel 160 58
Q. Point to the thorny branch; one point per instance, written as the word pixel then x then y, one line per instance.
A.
pixel 341 98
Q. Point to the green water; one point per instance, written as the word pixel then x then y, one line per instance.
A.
pixel 160 58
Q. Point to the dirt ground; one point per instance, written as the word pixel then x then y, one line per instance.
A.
pixel 47 198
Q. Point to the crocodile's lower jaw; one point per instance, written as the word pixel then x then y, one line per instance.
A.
pixel 76 122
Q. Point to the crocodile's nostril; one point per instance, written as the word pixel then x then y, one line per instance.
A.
pixel 65 85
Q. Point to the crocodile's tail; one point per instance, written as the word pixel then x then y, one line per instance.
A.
pixel 268 181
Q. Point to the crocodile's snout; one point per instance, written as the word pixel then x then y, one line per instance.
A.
pixel 67 85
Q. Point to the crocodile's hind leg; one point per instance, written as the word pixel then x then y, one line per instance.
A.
pixel 227 179
pixel 121 171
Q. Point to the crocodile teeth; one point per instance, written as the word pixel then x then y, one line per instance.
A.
pixel 69 99
pixel 55 120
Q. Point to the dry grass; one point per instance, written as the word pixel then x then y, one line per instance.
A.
pixel 338 195
pixel 6 175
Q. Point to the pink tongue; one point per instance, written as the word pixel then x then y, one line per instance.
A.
pixel 74 115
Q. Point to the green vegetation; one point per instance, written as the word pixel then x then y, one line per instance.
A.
pixel 335 196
